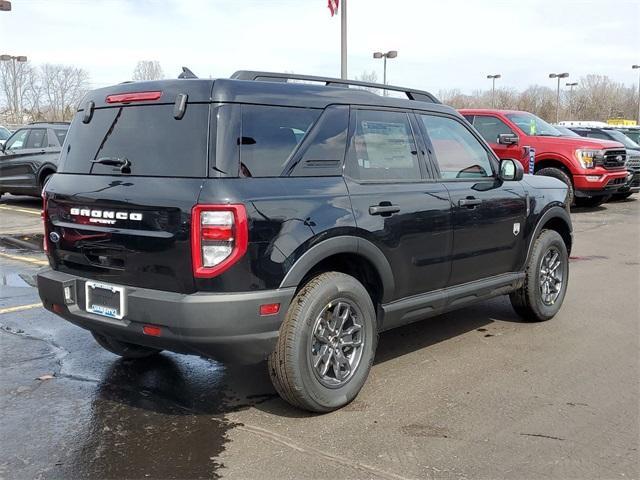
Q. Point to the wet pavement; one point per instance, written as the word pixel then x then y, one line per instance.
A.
pixel 474 393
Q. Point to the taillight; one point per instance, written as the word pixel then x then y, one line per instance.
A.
pixel 45 216
pixel 219 237
pixel 133 97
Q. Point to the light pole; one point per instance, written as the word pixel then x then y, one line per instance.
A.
pixel 389 54
pixel 13 59
pixel 571 85
pixel 493 88
pixel 636 67
pixel 558 76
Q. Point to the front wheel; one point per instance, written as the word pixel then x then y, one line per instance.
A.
pixel 563 177
pixel 326 345
pixel 591 202
pixel 546 278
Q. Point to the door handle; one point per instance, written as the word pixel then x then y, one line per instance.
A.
pixel 469 202
pixel 383 209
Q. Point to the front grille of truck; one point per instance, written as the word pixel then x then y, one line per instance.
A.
pixel 617 181
pixel 614 158
pixel 633 163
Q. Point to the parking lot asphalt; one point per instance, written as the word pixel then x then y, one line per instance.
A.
pixel 471 394
pixel 20 215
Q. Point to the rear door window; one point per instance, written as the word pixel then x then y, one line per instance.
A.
pixel 270 135
pixel 37 138
pixel 383 147
pixel 148 136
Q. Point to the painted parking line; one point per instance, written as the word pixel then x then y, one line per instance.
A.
pixel 20 258
pixel 20 308
pixel 22 210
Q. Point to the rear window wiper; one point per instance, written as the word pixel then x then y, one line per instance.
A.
pixel 124 163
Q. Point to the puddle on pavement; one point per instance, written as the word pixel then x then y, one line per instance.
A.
pixel 163 417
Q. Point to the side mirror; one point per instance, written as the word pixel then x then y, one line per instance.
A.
pixel 508 139
pixel 511 170
pixel 2 146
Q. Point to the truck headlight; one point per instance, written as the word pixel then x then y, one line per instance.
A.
pixel 589 158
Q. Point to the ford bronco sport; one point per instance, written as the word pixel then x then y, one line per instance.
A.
pixel 592 169
pixel 254 218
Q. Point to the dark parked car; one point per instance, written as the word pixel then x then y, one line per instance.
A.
pixel 566 132
pixel 30 156
pixel 251 218
pixel 632 184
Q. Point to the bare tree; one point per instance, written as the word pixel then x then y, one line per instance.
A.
pixel 148 70
pixel 370 77
pixel 63 88
pixel 16 81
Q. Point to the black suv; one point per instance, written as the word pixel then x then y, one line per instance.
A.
pixel 632 164
pixel 254 218
pixel 30 156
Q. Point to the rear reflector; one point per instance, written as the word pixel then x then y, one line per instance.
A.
pixel 133 97
pixel 58 308
pixel 269 309
pixel 152 330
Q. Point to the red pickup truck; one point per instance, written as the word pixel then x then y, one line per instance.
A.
pixel 593 169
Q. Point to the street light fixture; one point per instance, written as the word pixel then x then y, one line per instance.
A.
pixel 636 67
pixel 493 88
pixel 558 76
pixel 389 54
pixel 571 85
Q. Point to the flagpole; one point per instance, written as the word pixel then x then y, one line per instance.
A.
pixel 343 39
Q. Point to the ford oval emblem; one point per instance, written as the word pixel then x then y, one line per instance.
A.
pixel 54 237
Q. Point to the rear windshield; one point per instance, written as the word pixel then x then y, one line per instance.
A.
pixel 149 137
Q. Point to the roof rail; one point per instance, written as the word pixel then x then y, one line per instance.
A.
pixel 43 122
pixel 411 93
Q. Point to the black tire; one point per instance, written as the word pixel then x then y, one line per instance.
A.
pixel 291 365
pixel 592 202
pixel 562 176
pixel 528 301
pixel 45 178
pixel 621 196
pixel 124 349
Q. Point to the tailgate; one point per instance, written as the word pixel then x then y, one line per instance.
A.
pixel 132 231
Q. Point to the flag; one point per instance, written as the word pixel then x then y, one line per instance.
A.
pixel 333 6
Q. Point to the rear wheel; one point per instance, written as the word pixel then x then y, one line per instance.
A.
pixel 326 345
pixel 545 284
pixel 592 202
pixel 124 349
pixel 562 176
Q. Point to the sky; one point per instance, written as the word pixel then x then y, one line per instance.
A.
pixel 441 44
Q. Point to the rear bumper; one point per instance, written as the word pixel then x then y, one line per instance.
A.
pixel 601 182
pixel 224 326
